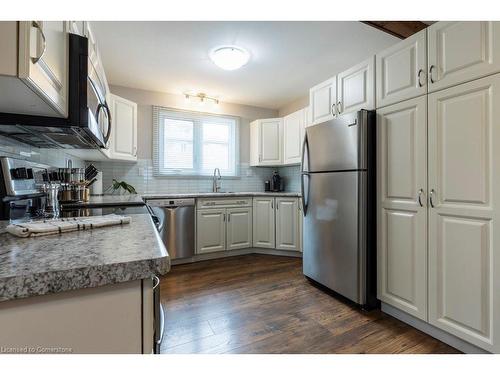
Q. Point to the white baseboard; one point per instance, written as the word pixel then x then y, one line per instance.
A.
pixel 429 329
pixel 232 253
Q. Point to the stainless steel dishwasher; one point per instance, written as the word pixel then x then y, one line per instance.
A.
pixel 176 225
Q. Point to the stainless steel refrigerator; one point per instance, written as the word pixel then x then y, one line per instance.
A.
pixel 338 190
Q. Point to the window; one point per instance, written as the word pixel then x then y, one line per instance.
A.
pixel 194 144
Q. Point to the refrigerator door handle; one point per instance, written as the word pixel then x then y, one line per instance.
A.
pixel 303 173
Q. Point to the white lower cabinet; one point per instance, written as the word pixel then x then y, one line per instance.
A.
pixel 287 224
pixel 277 223
pixel 210 230
pixel 263 222
pixel 239 228
pixel 449 177
pixel 464 234
pixel 402 211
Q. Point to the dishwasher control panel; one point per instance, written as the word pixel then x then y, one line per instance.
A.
pixel 165 202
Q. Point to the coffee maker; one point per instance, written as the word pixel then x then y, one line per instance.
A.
pixel 277 183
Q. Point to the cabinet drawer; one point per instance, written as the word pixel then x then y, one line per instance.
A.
pixel 224 202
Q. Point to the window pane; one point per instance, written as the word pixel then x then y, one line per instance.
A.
pixel 178 154
pixel 215 132
pixel 178 129
pixel 215 155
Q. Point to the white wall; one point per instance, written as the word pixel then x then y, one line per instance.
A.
pixel 146 99
pixel 294 106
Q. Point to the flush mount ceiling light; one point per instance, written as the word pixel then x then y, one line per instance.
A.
pixel 229 57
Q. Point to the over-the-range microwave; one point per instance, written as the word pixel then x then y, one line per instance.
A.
pixel 88 124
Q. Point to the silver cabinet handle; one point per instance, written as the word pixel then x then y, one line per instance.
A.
pixel 272 204
pixel 431 68
pixel 37 26
pixel 228 218
pixel 334 108
pixel 420 192
pixel 260 158
pixel 223 217
pixel 420 72
pixel 156 282
pixel 339 107
pixel 431 201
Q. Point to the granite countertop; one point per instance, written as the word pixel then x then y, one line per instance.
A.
pixel 221 195
pixel 84 259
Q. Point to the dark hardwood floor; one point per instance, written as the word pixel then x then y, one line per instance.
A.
pixel 263 304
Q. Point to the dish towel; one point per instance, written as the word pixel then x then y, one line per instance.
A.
pixel 58 226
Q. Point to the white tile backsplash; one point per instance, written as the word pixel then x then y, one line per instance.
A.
pixel 140 175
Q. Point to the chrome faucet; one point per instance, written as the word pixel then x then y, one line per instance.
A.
pixel 216 185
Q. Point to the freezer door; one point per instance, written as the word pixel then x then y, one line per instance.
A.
pixel 333 232
pixel 338 144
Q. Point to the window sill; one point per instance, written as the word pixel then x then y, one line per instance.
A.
pixel 194 177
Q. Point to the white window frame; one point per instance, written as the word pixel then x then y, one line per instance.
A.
pixel 160 170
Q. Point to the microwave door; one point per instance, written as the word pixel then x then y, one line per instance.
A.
pixel 95 108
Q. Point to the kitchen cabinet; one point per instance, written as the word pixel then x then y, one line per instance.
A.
pixel 263 222
pixel 34 68
pixel 293 135
pixel 277 223
pixel 356 87
pixel 402 206
pixel 464 199
pixel 266 142
pixel 239 228
pixel 401 72
pixel 287 224
pixel 323 101
pixel 77 27
pixel 116 318
pixel 462 51
pixel 210 230
pixel 223 224
pixel 123 138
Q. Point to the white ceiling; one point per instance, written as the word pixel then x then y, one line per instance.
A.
pixel 286 57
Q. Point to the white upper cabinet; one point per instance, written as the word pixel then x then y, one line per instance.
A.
pixel 287 224
pixel 464 198
pixel 462 51
pixel 123 139
pixel 293 134
pixel 356 87
pixel 402 70
pixel 322 101
pixel 266 142
pixel 402 206
pixel 34 67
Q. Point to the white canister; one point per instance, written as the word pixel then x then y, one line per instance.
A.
pixel 96 187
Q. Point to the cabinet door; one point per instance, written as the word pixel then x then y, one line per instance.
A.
pixel 263 222
pixel 401 206
pixel 401 70
pixel 462 51
pixel 239 228
pixel 287 224
pixel 293 133
pixel 123 138
pixel 77 27
pixel 356 87
pixel 210 231
pixel 322 101
pixel 270 138
pixel 464 235
pixel 43 61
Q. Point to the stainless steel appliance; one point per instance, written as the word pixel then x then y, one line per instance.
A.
pixel 338 190
pixel 176 217
pixel 89 120
pixel 22 185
